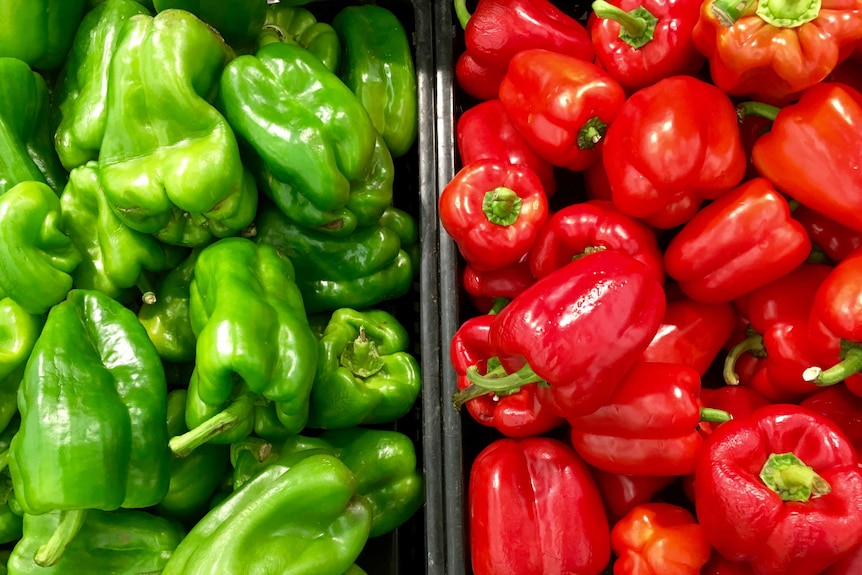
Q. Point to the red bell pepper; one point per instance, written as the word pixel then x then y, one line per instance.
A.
pixel 535 510
pixel 595 224
pixel 493 210
pixel 813 152
pixel 640 42
pixel 499 29
pixel 487 287
pixel 780 490
pixel 835 240
pixel 718 565
pixel 850 564
pixel 485 131
pixel 664 156
pixel 848 72
pixel 561 105
pixel 739 242
pixel 737 400
pixel 596 182
pixel 650 426
pixel 840 406
pixel 772 50
pixel 659 539
pixel 519 414
pixel 580 329
pixel 621 493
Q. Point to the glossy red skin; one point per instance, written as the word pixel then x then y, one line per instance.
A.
pixel 850 564
pixel 596 181
pixel 842 407
pixel 582 327
pixel 701 155
pixel 659 539
pixel 517 415
pixel 483 244
pixel 535 510
pixel 478 80
pixel 550 97
pixel 484 131
pixel 483 286
pixel 745 520
pixel 738 400
pixel 826 178
pixel 621 493
pixel 648 427
pixel 739 242
pixel 834 239
pixel 670 52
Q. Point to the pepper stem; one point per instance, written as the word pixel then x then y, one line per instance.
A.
pixel 752 108
pixel 495 381
pixel 148 294
pixel 591 133
pixel 462 12
pixel 753 344
pixel 727 12
pixel 360 356
pixel 851 362
pixel 70 523
pixel 713 415
pixel 788 13
pixel 498 305
pixel 502 206
pixel 636 27
pixel 225 420
pixel 792 479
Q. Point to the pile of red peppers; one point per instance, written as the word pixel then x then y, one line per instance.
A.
pixel 658 210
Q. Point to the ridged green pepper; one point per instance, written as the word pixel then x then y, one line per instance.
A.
pixel 377 65
pixel 296 25
pixel 312 135
pixel 11 514
pixel 19 331
pixel 39 32
pixel 359 270
pixel 238 21
pixel 300 517
pixel 37 258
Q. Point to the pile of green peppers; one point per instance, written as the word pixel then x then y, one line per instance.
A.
pixel 201 365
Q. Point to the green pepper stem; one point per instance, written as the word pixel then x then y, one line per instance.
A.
pixel 223 421
pixel 361 357
pixel 637 27
pixel 495 381
pixel 727 12
pixel 498 305
pixel 70 523
pixel 792 479
pixel 502 206
pixel 788 13
pixel 462 12
pixel 851 362
pixel 752 343
pixel 148 294
pixel 591 133
pixel 752 108
pixel 712 415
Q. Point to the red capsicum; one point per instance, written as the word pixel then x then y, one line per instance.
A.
pixel 813 152
pixel 664 156
pixel 780 490
pixel 518 414
pixel 835 240
pixel 499 29
pixel 773 50
pixel 535 510
pixel 591 225
pixel 650 426
pixel 850 564
pixel 739 242
pixel 561 105
pixel 659 538
pixel 640 42
pixel 718 565
pixel 580 329
pixel 493 210
pixel 737 400
pixel 842 407
pixel 621 493
pixel 489 288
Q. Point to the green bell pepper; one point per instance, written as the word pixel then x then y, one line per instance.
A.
pixel 383 462
pixel 93 416
pixel 377 65
pixel 295 518
pixel 11 514
pixel 39 32
pixel 359 270
pixel 26 148
pixel 355 570
pixel 311 133
pixel 81 91
pixel 19 331
pixel 365 372
pixel 167 151
pixel 238 21
pixel 296 25
pixel 37 258
pixel 121 542
pixel 403 224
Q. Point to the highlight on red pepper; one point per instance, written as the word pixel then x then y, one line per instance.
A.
pixel 561 105
pixel 640 42
pixel 489 288
pixel 534 509
pixel 780 490
pixel 664 156
pixel 493 210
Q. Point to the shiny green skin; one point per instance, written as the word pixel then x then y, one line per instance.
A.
pixel 295 518
pixel 19 331
pixel 359 270
pixel 296 25
pixel 166 149
pixel 383 461
pixel 26 147
pixel 39 32
pixel 310 131
pixel 37 258
pixel 403 224
pixel 377 65
pixel 82 87
pixel 238 21
pixel 121 542
pixel 11 516
pixel 365 372
pixel 93 412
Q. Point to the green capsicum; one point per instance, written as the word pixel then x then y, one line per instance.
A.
pixel 93 417
pixel 300 517
pixel 19 331
pixel 404 225
pixel 365 372
pixel 238 21
pixel 167 151
pixel 11 514
pixel 297 25
pixel 37 258
pixel 359 270
pixel 311 133
pixel 377 65
pixel 39 32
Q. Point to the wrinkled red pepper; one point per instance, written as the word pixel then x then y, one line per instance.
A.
pixel 621 493
pixel 487 288
pixel 561 105
pixel 664 156
pixel 739 242
pixel 535 510
pixel 835 240
pixel 780 490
